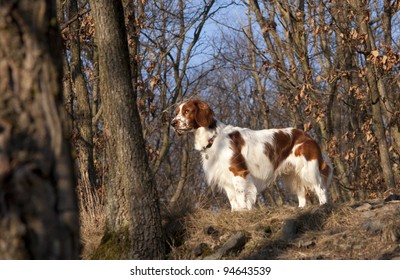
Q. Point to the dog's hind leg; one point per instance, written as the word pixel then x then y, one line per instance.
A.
pixel 311 178
pixel 296 185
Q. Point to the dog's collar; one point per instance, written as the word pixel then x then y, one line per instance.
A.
pixel 210 143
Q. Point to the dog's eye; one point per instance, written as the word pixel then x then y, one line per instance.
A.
pixel 186 111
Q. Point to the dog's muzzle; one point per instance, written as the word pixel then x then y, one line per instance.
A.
pixel 174 123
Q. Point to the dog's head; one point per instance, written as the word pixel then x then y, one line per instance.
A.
pixel 191 115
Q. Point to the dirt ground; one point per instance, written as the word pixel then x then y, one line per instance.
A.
pixel 366 230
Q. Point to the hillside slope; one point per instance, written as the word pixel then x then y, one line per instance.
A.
pixel 369 230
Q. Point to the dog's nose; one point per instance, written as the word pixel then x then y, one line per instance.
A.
pixel 174 123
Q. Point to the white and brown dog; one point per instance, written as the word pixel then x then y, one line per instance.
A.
pixel 243 162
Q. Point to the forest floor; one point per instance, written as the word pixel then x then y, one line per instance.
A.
pixel 363 230
pixel 366 230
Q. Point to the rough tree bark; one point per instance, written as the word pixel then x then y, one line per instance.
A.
pixel 133 223
pixel 82 114
pixel 38 209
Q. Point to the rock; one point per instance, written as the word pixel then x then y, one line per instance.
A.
pixel 234 244
pixel 211 231
pixel 364 207
pixel 305 244
pixel 372 226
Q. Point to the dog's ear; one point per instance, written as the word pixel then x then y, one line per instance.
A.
pixel 204 114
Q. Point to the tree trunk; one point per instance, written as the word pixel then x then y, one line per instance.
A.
pixel 133 223
pixel 83 116
pixel 38 208
pixel 276 48
pixel 260 95
pixel 375 98
pixel 182 177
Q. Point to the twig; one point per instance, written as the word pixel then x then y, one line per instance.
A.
pixel 75 17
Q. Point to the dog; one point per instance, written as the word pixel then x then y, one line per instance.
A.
pixel 243 162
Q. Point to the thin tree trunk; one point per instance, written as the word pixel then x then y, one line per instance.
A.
pixel 279 54
pixel 389 106
pixel 83 116
pixel 372 79
pixel 260 95
pixel 182 177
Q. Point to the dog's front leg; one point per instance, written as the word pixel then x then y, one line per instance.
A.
pixel 251 194
pixel 239 184
pixel 231 194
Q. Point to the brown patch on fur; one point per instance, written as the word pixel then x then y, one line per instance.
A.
pixel 238 163
pixel 204 116
pixel 280 149
pixel 283 144
pixel 189 111
pixel 198 113
pixel 311 150
pixel 213 124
